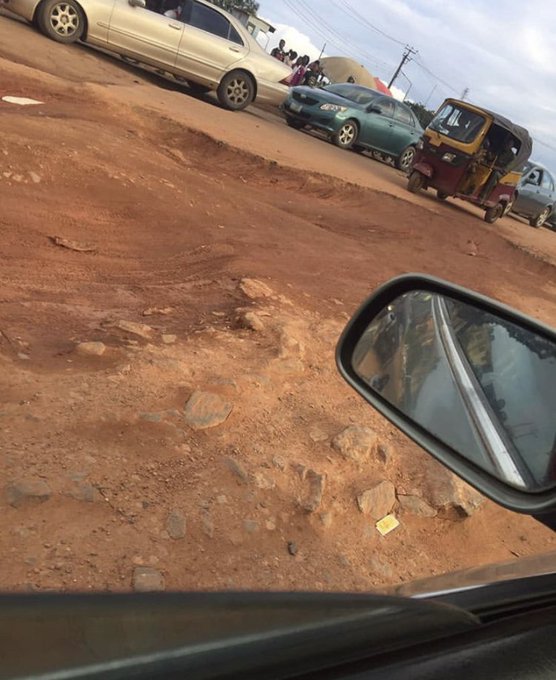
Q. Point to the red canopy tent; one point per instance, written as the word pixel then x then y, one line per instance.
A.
pixel 381 87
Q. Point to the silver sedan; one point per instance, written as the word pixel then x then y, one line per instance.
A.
pixel 190 39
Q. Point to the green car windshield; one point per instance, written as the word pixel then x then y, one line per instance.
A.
pixel 457 122
pixel 355 93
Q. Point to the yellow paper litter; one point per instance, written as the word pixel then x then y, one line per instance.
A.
pixel 387 524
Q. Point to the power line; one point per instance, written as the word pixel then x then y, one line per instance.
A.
pixel 330 34
pixel 361 19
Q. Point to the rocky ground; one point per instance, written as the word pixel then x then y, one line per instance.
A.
pixel 170 412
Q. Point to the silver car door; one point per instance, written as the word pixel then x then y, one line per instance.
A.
pixel 210 44
pixel 150 37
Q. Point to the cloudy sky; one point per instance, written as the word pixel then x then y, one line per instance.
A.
pixel 502 50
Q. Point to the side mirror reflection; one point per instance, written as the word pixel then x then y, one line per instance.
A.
pixel 480 384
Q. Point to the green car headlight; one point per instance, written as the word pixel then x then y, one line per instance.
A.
pixel 333 107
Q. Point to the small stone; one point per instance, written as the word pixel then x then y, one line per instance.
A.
pixel 83 491
pixel 169 339
pixel 292 548
pixel 250 526
pixel 176 525
pixel 252 321
pixel 316 489
pixel 378 501
pixel 140 329
pixel 206 409
pixel 23 356
pixel 416 506
pixel 355 442
pixel 279 462
pixel 158 310
pixel 208 525
pixel 383 453
pixel 318 435
pixel 27 491
pixel 237 469
pixel 326 518
pixel 253 289
pixel 147 579
pixel 263 482
pixel 270 524
pixel 300 470
pixel 290 345
pixel 35 178
pixel 90 349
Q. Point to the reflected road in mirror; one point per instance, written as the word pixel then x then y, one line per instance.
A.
pixel 482 385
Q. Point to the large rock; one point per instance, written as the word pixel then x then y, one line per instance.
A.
pixel 206 409
pixel 254 289
pixel 416 506
pixel 27 491
pixel 355 442
pixel 252 321
pixel 140 329
pixel 317 483
pixel 449 495
pixel 377 501
pixel 147 579
pixel 176 525
pixel 90 349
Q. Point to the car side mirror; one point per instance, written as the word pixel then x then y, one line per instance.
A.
pixel 468 379
pixel 138 3
pixel 373 109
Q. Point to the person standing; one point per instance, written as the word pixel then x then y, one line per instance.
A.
pixel 290 58
pixel 299 73
pixel 279 52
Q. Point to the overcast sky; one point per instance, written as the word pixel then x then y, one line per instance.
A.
pixel 502 50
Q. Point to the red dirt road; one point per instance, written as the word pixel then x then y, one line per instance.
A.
pixel 178 201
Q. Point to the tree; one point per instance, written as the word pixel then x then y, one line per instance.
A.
pixel 424 115
pixel 249 6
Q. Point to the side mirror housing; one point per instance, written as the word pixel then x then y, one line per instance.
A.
pixel 467 378
pixel 138 3
pixel 372 108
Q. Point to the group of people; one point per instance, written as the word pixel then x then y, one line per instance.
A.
pixel 304 72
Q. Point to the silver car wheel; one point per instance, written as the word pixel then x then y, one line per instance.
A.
pixel 238 91
pixel 541 219
pixel 406 159
pixel 347 134
pixel 64 19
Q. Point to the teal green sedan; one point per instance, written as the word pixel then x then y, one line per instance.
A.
pixel 356 117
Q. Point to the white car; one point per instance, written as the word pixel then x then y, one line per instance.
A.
pixel 195 41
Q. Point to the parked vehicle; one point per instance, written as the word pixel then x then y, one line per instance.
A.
pixel 356 117
pixel 473 154
pixel 451 358
pixel 535 195
pixel 206 46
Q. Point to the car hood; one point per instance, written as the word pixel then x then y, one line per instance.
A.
pixel 328 97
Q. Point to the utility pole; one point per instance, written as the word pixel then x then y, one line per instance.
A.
pixel 464 94
pixel 405 57
pixel 322 51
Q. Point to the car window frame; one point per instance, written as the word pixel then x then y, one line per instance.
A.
pixel 398 106
pixel 188 15
pixel 386 100
pixel 546 176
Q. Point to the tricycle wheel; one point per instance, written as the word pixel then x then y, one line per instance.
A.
pixel 492 214
pixel 441 195
pixel 416 182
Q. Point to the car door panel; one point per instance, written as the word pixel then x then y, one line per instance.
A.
pixel 529 198
pixel 403 132
pixel 151 37
pixel 98 14
pixel 377 127
pixel 209 45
